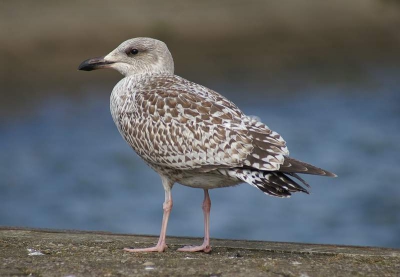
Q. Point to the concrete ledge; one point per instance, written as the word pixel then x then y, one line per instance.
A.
pixel 41 252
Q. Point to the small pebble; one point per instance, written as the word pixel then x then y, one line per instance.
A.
pixel 148 264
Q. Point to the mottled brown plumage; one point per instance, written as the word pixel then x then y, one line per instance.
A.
pixel 192 135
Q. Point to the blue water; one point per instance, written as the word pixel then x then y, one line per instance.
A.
pixel 64 165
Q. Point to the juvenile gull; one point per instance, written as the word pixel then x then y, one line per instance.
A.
pixel 192 135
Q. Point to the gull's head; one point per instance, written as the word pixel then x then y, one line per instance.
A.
pixel 135 56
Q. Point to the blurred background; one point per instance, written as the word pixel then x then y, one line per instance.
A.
pixel 323 74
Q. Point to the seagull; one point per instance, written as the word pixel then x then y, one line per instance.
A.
pixel 192 135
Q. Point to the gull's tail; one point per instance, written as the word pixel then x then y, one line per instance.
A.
pixel 279 183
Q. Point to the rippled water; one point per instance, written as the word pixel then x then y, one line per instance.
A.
pixel 66 166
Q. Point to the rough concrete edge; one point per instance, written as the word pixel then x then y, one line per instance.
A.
pixel 268 246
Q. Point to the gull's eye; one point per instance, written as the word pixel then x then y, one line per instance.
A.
pixel 133 51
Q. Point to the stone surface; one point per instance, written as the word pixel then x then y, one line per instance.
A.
pixel 33 252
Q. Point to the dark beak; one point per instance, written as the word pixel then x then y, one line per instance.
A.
pixel 94 63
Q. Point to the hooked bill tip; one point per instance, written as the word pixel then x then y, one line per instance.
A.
pixel 94 63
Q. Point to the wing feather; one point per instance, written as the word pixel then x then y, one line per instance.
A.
pixel 172 122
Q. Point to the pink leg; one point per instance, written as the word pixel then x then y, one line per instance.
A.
pixel 206 243
pixel 167 207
